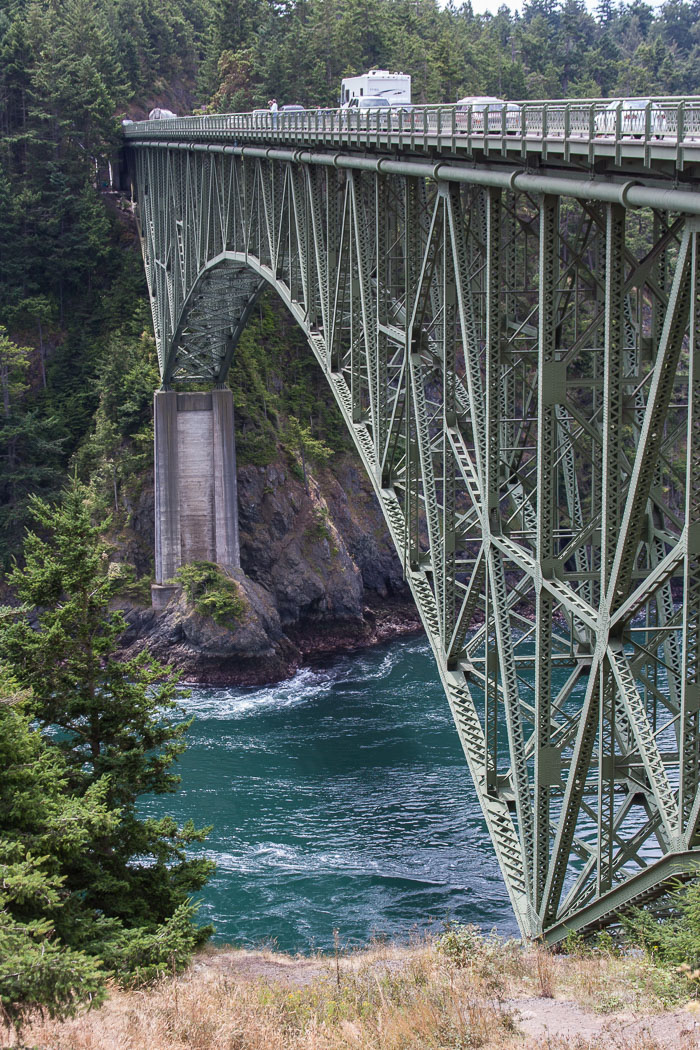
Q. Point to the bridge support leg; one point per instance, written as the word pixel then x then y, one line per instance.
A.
pixel 196 499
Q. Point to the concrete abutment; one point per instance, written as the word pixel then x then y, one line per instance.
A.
pixel 196 498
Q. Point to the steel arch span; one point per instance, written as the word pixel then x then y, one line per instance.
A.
pixel 520 373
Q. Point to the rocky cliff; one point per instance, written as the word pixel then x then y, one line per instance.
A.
pixel 318 574
pixel 318 570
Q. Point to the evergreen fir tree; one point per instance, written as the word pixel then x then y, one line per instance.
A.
pixel 41 829
pixel 112 721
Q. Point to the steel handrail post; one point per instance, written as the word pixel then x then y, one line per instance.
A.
pixel 567 130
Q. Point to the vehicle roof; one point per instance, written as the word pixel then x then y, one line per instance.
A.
pixel 630 103
pixel 469 99
pixel 377 73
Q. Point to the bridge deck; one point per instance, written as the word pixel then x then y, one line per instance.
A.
pixel 663 142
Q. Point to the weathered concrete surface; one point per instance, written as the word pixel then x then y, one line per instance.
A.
pixel 196 509
pixel 228 552
pixel 195 467
pixel 167 501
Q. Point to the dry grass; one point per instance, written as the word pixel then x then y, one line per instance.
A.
pixel 386 998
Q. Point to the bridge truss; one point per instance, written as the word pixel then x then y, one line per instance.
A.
pixel 520 372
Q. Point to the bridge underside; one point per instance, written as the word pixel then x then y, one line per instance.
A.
pixel 520 377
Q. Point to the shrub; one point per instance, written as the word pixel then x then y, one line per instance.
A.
pixel 460 943
pixel 671 936
pixel 212 592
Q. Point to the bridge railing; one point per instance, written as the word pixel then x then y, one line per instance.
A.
pixel 659 121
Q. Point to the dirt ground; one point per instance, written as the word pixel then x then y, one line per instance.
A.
pixel 391 998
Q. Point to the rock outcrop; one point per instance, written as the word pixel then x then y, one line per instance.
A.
pixel 318 574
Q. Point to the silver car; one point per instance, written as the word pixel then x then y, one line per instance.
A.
pixel 633 118
pixel 487 114
pixel 370 111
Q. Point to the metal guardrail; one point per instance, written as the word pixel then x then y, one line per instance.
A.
pixel 590 126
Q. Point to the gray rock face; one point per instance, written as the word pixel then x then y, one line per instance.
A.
pixel 291 545
pixel 318 572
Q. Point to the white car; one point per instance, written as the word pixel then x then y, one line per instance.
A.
pixel 633 118
pixel 487 112
pixel 369 111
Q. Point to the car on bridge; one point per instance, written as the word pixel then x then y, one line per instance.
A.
pixel 367 112
pixel 633 115
pixel 488 114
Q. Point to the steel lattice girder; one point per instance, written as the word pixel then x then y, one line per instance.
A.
pixel 520 376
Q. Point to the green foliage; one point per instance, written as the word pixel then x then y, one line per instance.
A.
pixel 28 450
pixel 494 960
pixel 301 443
pixel 299 52
pixel 320 529
pixel 670 935
pixel 114 728
pixel 276 385
pixel 42 831
pixel 459 943
pixel 37 972
pixel 137 955
pixel 212 592
pixel 117 455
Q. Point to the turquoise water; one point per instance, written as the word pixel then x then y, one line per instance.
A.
pixel 340 800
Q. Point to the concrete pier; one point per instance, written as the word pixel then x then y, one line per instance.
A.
pixel 196 497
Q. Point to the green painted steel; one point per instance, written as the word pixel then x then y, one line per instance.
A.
pixel 515 354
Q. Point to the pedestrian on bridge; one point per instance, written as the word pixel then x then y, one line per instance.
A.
pixel 273 109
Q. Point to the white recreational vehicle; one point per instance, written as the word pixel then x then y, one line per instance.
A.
pixel 378 83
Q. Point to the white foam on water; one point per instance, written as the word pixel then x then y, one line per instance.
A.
pixel 228 704
pixel 270 857
pixel 306 686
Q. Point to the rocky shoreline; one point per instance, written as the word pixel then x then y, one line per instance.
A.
pixel 175 636
pixel 318 576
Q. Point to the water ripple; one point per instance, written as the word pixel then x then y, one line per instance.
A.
pixel 340 799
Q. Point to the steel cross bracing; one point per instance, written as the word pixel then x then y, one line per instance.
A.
pixel 521 376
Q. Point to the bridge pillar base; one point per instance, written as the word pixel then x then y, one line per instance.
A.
pixel 196 497
pixel 161 594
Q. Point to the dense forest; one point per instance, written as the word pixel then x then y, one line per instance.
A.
pixel 77 374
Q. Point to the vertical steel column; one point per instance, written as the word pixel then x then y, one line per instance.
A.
pixel 412 255
pixel 492 213
pixel 381 294
pixel 448 295
pixel 690 689
pixel 550 392
pixel 492 527
pixel 611 505
pixel 494 291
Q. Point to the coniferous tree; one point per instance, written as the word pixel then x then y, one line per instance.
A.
pixel 42 829
pixel 112 721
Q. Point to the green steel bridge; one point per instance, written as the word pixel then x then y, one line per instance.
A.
pixel 509 323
